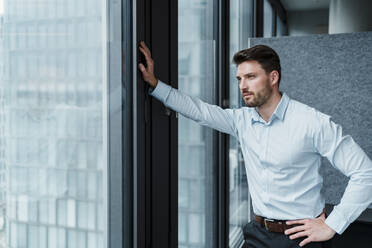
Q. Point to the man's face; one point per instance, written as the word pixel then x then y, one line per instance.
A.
pixel 254 83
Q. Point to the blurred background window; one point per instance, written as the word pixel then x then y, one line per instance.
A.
pixel 197 168
pixel 268 19
pixel 51 123
pixel 241 29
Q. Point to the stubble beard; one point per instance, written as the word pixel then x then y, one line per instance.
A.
pixel 259 98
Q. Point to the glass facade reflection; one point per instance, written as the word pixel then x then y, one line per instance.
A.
pixel 51 121
pixel 268 19
pixel 241 29
pixel 280 27
pixel 197 173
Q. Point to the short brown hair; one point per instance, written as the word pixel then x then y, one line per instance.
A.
pixel 264 55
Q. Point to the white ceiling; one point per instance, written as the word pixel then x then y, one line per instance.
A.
pixel 291 5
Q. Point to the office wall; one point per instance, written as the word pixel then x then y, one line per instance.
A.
pixel 333 74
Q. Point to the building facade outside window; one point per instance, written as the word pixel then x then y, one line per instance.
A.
pixel 51 119
pixel 197 168
pixel 241 29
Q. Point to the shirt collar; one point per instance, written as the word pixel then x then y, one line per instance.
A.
pixel 282 107
pixel 278 113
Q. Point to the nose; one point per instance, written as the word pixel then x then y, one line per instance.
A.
pixel 243 84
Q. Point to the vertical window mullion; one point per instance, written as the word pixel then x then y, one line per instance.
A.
pixel 119 154
pixel 275 13
pixel 128 136
pixel 258 20
pixel 222 92
pixel 141 120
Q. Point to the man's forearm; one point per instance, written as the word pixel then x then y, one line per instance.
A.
pixel 193 108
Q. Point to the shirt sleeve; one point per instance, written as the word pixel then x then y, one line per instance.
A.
pixel 345 155
pixel 193 108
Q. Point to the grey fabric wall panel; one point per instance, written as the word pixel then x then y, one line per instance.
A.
pixel 332 73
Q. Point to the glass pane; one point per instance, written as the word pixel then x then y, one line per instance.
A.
pixel 268 19
pixel 241 19
pixel 197 197
pixel 280 27
pixel 51 87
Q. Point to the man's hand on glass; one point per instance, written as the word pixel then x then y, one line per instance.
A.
pixel 316 230
pixel 147 73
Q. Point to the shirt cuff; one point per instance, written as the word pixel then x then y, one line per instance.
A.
pixel 161 91
pixel 337 221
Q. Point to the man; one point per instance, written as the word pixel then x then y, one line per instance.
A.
pixel 282 141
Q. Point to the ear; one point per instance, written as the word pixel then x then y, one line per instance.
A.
pixel 274 77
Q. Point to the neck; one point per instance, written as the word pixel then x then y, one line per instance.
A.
pixel 267 109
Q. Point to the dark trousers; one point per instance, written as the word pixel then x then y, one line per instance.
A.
pixel 258 237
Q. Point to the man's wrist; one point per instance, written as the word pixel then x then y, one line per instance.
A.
pixel 154 83
pixel 336 221
pixel 333 232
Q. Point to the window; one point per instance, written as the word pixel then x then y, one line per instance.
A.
pixel 197 172
pixel 52 124
pixel 280 27
pixel 268 19
pixel 241 23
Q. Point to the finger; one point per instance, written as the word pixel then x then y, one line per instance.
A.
pixel 292 222
pixel 146 48
pixel 142 68
pixel 322 216
pixel 295 229
pixel 143 51
pixel 149 60
pixel 299 235
pixel 305 241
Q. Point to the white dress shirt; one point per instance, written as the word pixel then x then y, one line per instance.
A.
pixel 283 156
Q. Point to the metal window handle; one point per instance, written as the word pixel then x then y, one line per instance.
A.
pixel 225 103
pixel 167 111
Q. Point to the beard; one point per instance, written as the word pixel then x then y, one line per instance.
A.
pixel 259 98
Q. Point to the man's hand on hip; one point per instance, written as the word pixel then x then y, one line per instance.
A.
pixel 147 73
pixel 316 230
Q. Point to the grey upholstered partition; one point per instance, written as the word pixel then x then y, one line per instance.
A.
pixel 332 73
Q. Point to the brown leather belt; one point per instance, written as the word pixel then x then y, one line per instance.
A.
pixel 275 225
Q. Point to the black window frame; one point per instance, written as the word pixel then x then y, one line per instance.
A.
pixel 155 127
pixel 119 212
pixel 222 93
pixel 279 11
pixel 156 176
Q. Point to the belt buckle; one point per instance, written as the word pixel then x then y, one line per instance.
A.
pixel 265 223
